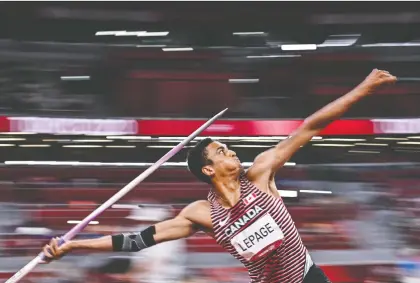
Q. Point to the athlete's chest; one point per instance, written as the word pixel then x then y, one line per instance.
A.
pixel 252 228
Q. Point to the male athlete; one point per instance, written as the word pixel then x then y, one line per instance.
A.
pixel 244 212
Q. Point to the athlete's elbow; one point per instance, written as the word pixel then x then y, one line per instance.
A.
pixel 134 242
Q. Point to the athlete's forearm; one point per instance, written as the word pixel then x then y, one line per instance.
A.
pixel 337 108
pixel 98 244
pixel 169 230
pixel 126 242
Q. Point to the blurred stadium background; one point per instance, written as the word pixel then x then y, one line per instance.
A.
pixel 92 93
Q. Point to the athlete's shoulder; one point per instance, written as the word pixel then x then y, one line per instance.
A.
pixel 199 205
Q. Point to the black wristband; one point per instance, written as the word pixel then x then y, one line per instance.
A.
pixel 147 235
pixel 117 242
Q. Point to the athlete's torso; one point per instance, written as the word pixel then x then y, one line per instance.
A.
pixel 260 232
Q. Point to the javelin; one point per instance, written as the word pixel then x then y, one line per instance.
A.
pixel 76 229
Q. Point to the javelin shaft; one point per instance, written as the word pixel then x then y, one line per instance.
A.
pixel 76 229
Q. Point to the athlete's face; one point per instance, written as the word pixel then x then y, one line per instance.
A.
pixel 224 160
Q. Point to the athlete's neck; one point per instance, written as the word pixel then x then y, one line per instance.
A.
pixel 227 190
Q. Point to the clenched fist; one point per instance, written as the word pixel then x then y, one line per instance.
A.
pixel 378 78
pixel 53 252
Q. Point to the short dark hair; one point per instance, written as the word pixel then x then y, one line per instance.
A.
pixel 197 159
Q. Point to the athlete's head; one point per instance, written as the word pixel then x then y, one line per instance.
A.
pixel 209 159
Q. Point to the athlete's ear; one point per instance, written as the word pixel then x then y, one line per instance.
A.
pixel 208 170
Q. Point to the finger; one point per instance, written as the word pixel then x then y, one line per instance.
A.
pixel 390 79
pixel 54 246
pixel 388 76
pixel 47 252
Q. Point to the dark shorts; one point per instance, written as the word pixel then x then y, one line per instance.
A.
pixel 316 275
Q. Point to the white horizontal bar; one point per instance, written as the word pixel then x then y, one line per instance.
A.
pixel 34 145
pixel 392 44
pixel 244 80
pixel 391 139
pixel 160 33
pixel 272 56
pixel 293 47
pixel 315 192
pixel 79 221
pixel 75 78
pixel 129 33
pixel 249 33
pixel 125 206
pixel 151 45
pixel 178 49
pixel 408 142
pixel 12 139
pixel 108 32
pixel 363 151
pixel 33 230
pixel 288 194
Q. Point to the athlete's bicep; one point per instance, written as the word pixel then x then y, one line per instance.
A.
pixel 267 163
pixel 192 218
pixel 174 229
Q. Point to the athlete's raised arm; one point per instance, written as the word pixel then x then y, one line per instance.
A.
pixel 191 219
pixel 267 163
